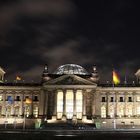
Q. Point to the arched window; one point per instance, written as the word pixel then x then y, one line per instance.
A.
pixel 59 104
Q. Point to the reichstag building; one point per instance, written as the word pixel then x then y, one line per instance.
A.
pixel 70 94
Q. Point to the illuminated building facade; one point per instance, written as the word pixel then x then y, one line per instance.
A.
pixel 70 94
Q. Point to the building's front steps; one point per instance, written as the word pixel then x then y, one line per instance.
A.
pixel 117 123
pixel 18 123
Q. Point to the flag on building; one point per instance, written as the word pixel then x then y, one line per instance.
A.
pixel 18 78
pixel 116 78
pixel 28 101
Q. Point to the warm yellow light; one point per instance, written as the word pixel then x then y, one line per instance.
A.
pixel 69 104
pixel 59 104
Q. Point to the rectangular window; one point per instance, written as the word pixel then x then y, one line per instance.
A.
pixel 26 97
pixel 0 97
pixel 10 99
pixel 138 98
pixel 17 98
pixel 35 111
pixel 121 99
pixel 59 104
pixel 27 111
pixel 36 98
pixel 16 111
pixel 69 104
pixel 103 112
pixel 138 110
pixel 129 99
pixel 79 99
pixel 111 99
pixel 103 99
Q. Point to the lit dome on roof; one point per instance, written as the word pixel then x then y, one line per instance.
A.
pixel 71 69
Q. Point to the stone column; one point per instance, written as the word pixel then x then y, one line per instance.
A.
pixel 45 102
pixel 22 104
pixel 4 104
pixel 115 104
pixel 31 105
pixel 107 105
pixel 55 104
pixel 93 104
pixel 125 104
pixel 41 103
pixel 134 104
pixel 64 105
pixel 74 104
pixel 84 105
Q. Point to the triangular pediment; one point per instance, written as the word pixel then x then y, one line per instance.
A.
pixel 69 80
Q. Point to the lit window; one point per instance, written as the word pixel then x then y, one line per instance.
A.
pixel 111 111
pixel 0 97
pixel 69 104
pixel 79 99
pixel 0 110
pixel 121 111
pixel 138 110
pixel 17 110
pixel 59 104
pixel 103 112
pixel 27 111
pixel 35 111
pixel 129 111
pixel 8 111
pixel 138 98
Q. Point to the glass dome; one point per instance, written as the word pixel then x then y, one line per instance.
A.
pixel 71 69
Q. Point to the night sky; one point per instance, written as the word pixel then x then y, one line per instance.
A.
pixel 56 32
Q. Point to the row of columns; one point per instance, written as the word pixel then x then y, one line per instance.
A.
pixel 45 99
pixel 117 104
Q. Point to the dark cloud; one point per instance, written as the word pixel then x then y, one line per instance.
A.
pixel 67 31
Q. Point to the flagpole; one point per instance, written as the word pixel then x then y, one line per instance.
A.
pixel 114 120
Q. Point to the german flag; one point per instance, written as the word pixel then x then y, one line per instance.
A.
pixel 28 101
pixel 116 78
pixel 18 78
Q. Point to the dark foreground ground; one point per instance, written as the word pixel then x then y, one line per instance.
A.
pixel 70 134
